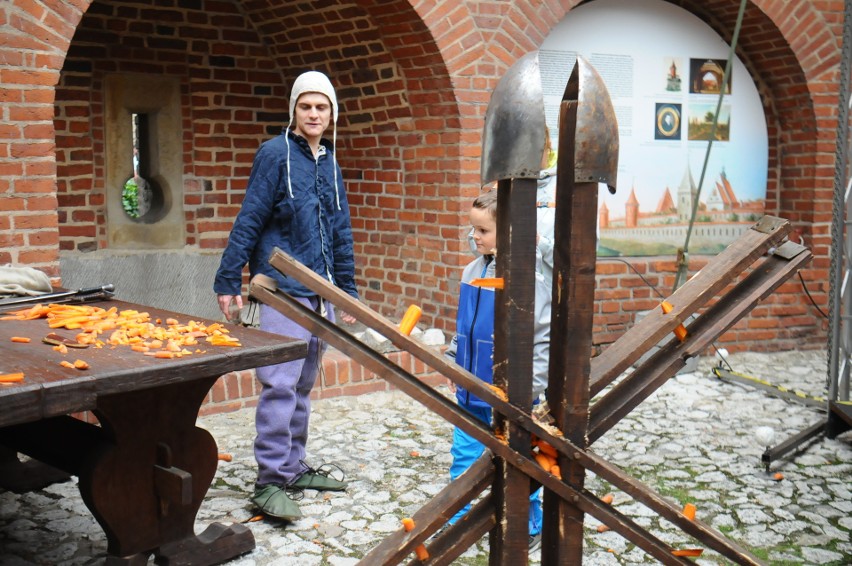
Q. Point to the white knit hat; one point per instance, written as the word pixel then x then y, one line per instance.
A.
pixel 314 81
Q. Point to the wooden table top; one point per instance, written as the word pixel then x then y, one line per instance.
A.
pixel 49 389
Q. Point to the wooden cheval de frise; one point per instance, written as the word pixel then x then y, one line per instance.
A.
pixel 588 144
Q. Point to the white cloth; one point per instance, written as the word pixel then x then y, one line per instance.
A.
pixel 23 281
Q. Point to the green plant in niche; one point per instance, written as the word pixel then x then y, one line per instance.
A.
pixel 130 198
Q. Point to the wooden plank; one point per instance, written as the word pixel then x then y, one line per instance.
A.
pixel 414 388
pixel 450 544
pixel 381 366
pixel 654 372
pixel 514 310
pixel 695 293
pixel 435 514
pixel 62 442
pixel 571 326
pixel 50 390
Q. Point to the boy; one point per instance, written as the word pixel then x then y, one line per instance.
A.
pixel 473 345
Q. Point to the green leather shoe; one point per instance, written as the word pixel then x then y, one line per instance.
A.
pixel 274 501
pixel 319 480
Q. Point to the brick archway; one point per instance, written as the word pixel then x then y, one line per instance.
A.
pixel 410 146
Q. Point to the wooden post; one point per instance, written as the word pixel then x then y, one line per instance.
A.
pixel 513 354
pixel 571 326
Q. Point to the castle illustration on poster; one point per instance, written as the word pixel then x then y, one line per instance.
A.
pixel 693 141
pixel 720 219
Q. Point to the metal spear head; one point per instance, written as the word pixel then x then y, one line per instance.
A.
pixel 513 138
pixel 596 132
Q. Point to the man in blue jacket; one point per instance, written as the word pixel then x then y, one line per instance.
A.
pixel 295 201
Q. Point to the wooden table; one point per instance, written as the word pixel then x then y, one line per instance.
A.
pixel 146 469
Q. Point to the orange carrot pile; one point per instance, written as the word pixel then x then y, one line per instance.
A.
pixel 545 456
pixel 100 327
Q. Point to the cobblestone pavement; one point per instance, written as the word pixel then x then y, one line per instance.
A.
pixel 693 441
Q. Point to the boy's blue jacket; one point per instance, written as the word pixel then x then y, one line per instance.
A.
pixel 309 226
pixel 472 347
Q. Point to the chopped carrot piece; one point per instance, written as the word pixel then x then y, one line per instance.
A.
pixel 225 457
pixel 688 552
pixel 602 528
pixel 689 511
pixel 547 449
pixel 16 377
pixel 66 364
pixel 409 320
pixel 20 339
pixel 81 364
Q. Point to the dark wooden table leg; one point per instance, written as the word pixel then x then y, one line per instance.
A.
pixel 20 476
pixel 146 483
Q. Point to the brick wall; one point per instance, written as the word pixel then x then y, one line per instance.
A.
pixel 414 79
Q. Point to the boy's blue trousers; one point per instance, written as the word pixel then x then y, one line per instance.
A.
pixel 466 450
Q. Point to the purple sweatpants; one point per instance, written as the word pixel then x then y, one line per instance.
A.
pixel 284 405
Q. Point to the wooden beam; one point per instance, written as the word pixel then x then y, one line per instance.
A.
pixel 377 363
pixel 514 310
pixel 691 296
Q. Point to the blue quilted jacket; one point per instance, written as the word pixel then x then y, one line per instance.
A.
pixel 309 225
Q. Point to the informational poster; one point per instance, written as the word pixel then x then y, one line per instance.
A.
pixel 664 70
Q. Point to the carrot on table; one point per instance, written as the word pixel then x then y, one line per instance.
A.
pixel 81 364
pixel 20 339
pixel 66 364
pixel 16 377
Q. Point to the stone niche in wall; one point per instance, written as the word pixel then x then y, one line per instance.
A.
pixel 143 151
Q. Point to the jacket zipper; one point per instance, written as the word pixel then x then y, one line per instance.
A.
pixel 319 218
